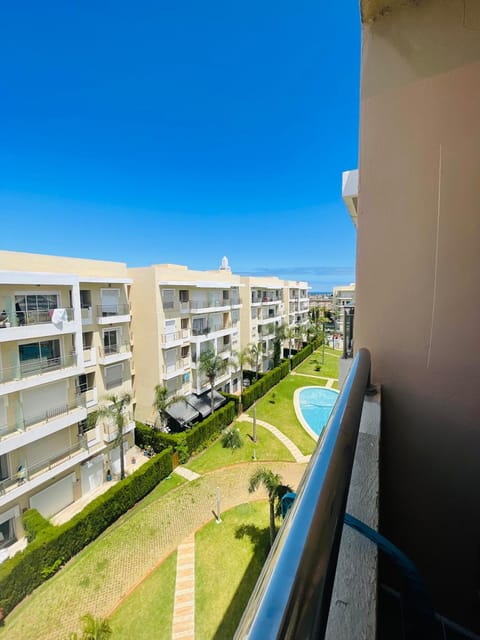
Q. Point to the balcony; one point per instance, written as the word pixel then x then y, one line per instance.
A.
pixel 26 430
pixel 177 368
pixel 174 339
pixel 110 432
pixel 21 325
pixel 89 396
pixel 87 315
pixel 32 476
pixel 112 353
pixel 37 367
pixel 294 591
pixel 89 356
pixel 112 313
pixel 209 333
pixel 204 306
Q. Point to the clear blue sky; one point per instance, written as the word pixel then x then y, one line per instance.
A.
pixel 180 131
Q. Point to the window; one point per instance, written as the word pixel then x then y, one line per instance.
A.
pixel 38 355
pixel 3 467
pixel 226 295
pixel 113 375
pixel 85 298
pixel 183 295
pixel 168 298
pixel 184 323
pixel 185 351
pixel 111 341
pixel 34 308
pixel 7 533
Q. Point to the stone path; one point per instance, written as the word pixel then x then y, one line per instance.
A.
pixel 186 473
pixel 104 572
pixel 292 447
pixel 183 625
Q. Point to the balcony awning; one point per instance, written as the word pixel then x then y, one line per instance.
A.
pixel 203 403
pixel 182 412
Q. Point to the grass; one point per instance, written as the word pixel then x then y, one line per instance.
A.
pixel 281 413
pixel 228 559
pixel 268 447
pixel 148 611
pixel 313 364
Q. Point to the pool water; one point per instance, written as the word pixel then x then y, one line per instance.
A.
pixel 316 404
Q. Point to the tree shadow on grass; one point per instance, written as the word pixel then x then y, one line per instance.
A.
pixel 260 539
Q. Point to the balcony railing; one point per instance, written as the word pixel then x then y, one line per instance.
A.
pixel 28 368
pixel 37 316
pixel 204 331
pixel 178 365
pixel 167 338
pixel 208 304
pixel 28 472
pixel 21 424
pixel 105 310
pixel 113 349
pixel 292 595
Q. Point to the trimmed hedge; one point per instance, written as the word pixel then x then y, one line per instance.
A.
pixel 34 524
pixel 21 574
pixel 187 442
pixel 266 382
pixel 301 355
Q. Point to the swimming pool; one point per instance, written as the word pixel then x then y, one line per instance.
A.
pixel 314 406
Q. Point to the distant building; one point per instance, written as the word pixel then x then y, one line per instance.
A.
pixel 342 296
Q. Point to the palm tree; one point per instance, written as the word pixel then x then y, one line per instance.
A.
pixel 275 489
pixel 163 401
pixel 212 366
pixel 117 412
pixel 299 332
pixel 289 334
pixel 93 629
pixel 256 351
pixel 240 359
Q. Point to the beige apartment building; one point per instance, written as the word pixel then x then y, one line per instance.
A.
pixel 179 313
pixel 65 345
pixel 263 313
pixel 418 263
pixel 343 297
pixel 297 303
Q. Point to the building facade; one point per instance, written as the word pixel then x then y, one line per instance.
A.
pixel 65 346
pixel 178 314
pixel 343 297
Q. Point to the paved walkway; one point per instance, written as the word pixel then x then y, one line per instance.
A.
pixel 186 473
pixel 294 450
pixel 330 381
pixel 183 624
pixel 100 575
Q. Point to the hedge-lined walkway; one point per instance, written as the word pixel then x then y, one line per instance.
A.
pixel 103 573
pixel 294 450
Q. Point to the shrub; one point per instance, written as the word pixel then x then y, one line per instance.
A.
pixel 264 384
pixel 232 439
pixel 301 355
pixel 34 524
pixel 24 572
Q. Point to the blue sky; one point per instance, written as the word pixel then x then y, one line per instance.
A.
pixel 169 131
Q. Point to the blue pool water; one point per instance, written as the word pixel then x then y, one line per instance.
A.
pixel 316 404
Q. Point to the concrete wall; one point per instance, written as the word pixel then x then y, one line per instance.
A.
pixel 418 273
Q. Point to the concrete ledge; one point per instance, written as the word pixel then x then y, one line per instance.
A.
pixel 353 610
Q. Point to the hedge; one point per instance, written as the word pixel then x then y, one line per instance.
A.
pixel 34 524
pixel 190 441
pixel 301 355
pixel 266 382
pixel 21 574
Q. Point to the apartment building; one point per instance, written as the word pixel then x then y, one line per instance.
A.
pixel 64 347
pixel 263 313
pixel 297 303
pixel 343 297
pixel 179 313
pixel 419 229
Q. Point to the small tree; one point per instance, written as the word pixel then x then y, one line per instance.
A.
pixel 212 366
pixel 256 351
pixel 93 629
pixel 162 402
pixel 117 411
pixel 275 489
pixel 240 359
pixel 289 334
pixel 232 439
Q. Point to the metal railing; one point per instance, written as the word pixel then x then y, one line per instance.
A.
pixel 22 318
pixel 167 338
pixel 104 310
pixel 292 595
pixel 204 331
pixel 21 424
pixel 36 366
pixel 28 472
pixel 112 349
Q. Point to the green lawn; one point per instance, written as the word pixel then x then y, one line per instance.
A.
pixel 281 413
pixel 268 447
pixel 147 612
pixel 228 559
pixel 313 364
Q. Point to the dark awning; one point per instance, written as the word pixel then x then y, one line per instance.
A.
pixel 182 412
pixel 203 403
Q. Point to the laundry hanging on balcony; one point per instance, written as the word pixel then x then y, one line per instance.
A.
pixel 58 315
